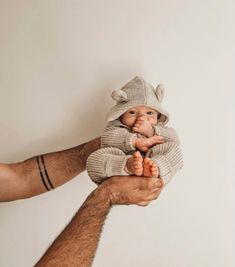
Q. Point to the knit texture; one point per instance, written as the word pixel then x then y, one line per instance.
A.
pixel 118 137
pixel 116 148
pixel 135 93
pixel 168 158
pixel 168 133
pixel 106 162
pixel 117 140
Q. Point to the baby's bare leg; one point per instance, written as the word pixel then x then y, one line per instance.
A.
pixel 134 164
pixel 150 168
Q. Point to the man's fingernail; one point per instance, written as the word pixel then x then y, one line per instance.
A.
pixel 158 183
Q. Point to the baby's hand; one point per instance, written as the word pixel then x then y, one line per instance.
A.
pixel 143 126
pixel 143 144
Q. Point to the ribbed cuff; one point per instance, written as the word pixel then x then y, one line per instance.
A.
pixel 129 141
pixel 164 168
pixel 115 165
pixel 168 158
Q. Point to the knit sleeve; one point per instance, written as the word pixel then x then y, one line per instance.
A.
pixel 118 137
pixel 169 134
pixel 168 156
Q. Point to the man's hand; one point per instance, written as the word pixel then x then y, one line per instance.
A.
pixel 131 189
pixel 143 144
pixel 77 244
pixel 143 126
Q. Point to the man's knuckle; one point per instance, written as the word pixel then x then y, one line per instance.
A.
pixel 149 184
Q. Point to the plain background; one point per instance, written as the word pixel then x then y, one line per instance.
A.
pixel 59 63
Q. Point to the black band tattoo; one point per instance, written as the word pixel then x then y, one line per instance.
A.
pixel 44 174
pixel 45 170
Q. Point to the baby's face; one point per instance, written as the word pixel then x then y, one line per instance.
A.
pixel 130 117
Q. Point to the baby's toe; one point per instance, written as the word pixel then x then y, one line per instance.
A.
pixel 136 154
pixel 137 164
pixel 146 160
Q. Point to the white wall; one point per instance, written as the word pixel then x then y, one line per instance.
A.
pixel 59 62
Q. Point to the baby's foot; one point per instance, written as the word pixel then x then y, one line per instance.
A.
pixel 150 168
pixel 134 165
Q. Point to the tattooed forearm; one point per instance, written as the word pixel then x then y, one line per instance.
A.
pixel 44 174
pixel 40 174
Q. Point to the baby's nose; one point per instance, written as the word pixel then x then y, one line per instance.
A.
pixel 142 116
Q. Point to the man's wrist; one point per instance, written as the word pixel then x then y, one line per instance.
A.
pixel 91 146
pixel 103 194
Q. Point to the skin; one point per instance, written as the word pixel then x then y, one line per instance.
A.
pixel 77 244
pixel 141 120
pixel 22 180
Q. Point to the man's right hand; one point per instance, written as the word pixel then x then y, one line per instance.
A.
pixel 143 144
pixel 131 190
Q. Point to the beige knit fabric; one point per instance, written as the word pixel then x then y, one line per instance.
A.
pixel 138 92
pixel 116 143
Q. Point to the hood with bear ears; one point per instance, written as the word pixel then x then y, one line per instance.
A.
pixel 138 92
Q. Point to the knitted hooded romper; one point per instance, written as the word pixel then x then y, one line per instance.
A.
pixel 116 141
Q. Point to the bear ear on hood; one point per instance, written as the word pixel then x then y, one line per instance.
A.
pixel 119 96
pixel 160 91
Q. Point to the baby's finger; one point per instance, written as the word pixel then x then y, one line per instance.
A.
pixel 138 124
pixel 156 139
pixel 136 129
pixel 159 137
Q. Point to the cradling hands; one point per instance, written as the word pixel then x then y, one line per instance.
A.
pixel 132 190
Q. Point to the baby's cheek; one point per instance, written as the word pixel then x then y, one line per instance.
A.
pixel 153 121
pixel 131 123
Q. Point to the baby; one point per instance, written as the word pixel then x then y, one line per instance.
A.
pixel 136 140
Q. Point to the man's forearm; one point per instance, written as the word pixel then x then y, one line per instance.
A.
pixel 77 244
pixel 43 173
